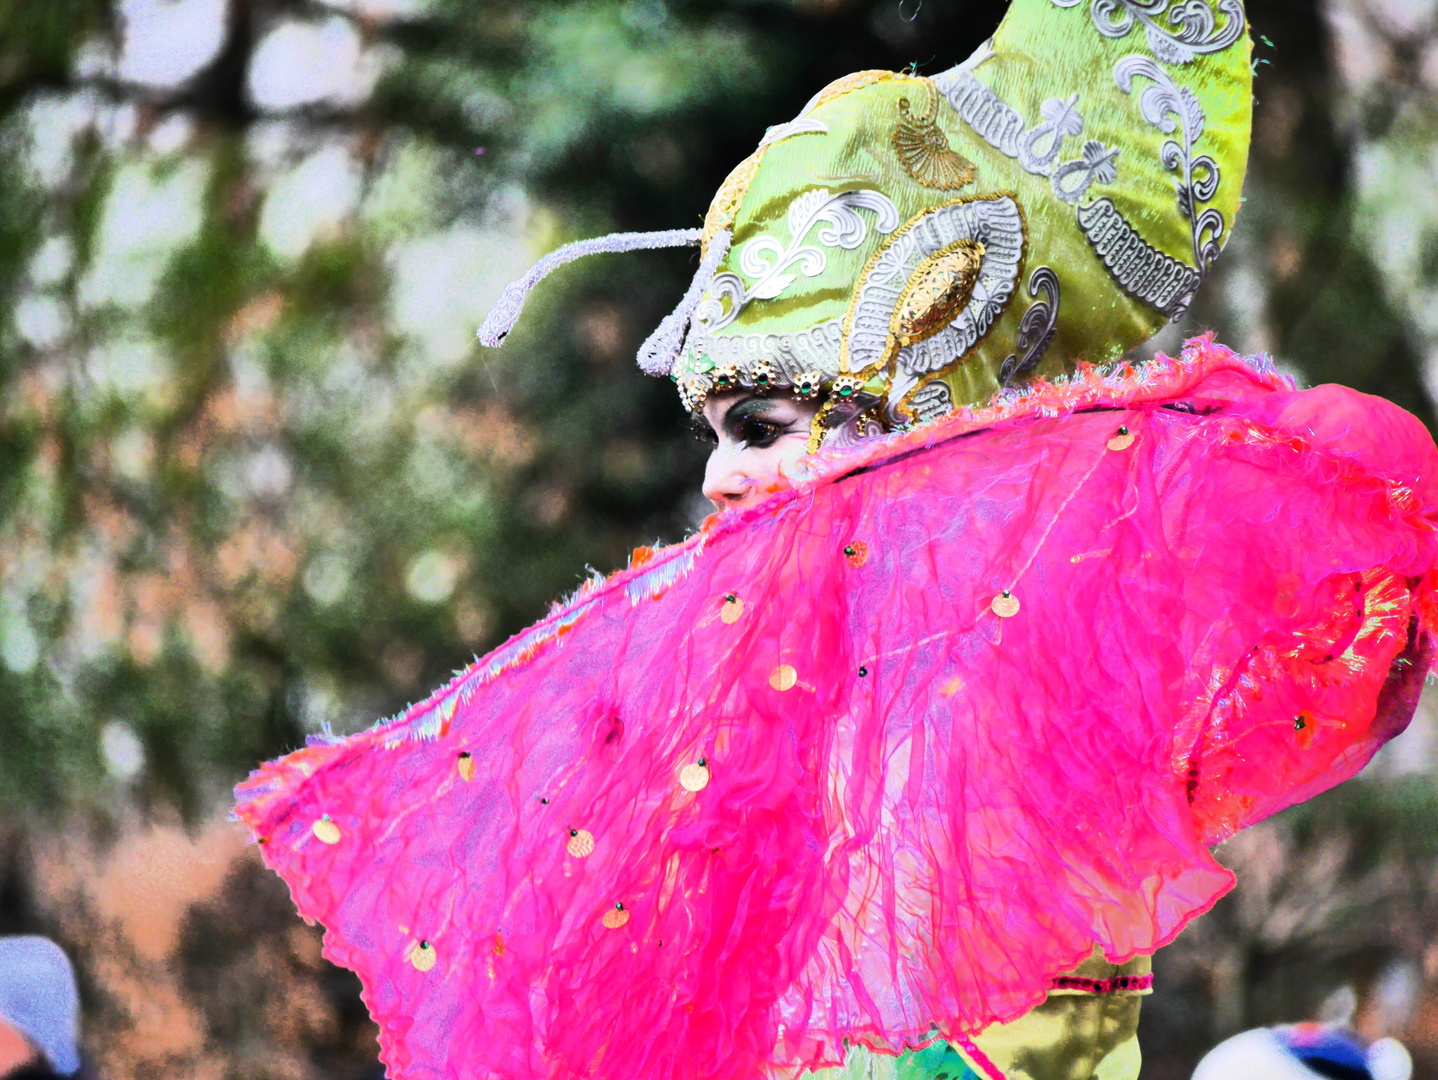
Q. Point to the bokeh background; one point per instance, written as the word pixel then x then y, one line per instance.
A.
pixel 257 479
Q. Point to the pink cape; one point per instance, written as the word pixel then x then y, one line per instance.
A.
pixel 920 805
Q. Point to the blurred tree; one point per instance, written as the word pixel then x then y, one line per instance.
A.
pixel 256 479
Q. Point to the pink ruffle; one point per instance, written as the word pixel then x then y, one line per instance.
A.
pixel 918 811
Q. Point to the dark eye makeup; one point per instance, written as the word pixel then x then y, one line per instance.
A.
pixel 758 422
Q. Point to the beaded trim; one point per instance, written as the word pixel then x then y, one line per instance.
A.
pixel 1118 984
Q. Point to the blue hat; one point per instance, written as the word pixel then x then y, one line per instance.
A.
pixel 38 998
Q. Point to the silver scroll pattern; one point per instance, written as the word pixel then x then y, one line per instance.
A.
pixel 1172 108
pixel 1139 268
pixel 1036 328
pixel 1191 30
pixel 1036 149
pixel 834 221
pixel 994 222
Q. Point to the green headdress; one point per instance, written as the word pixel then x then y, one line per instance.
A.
pixel 907 244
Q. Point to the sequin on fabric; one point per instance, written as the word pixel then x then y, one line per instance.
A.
pixel 1256 555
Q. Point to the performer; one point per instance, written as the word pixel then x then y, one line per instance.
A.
pixel 905 763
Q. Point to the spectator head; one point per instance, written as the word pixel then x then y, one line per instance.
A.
pixel 38 999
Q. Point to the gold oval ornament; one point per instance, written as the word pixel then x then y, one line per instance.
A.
pixel 615 917
pixel 1005 605
pixel 694 776
pixel 581 843
pixel 1122 439
pixel 783 677
pixel 422 956
pixel 936 290
pixel 731 609
pixel 466 766
pixel 326 831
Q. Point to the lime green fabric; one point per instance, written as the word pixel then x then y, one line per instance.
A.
pixel 1107 138
pixel 1072 1035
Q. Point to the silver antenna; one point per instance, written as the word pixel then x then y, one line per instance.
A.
pixel 661 348
pixel 505 313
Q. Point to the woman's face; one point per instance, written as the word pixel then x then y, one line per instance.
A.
pixel 759 438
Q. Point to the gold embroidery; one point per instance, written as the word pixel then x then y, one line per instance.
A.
pixel 937 289
pixel 727 199
pixel 924 150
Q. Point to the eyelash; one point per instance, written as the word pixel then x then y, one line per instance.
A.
pixel 756 432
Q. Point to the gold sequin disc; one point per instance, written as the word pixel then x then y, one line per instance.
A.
pixel 731 609
pixel 1122 440
pixel 615 917
pixel 581 843
pixel 783 677
pixel 939 286
pixel 466 766
pixel 856 552
pixel 694 777
pixel 326 831
pixel 1005 605
pixel 422 955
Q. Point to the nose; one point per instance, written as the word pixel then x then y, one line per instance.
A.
pixel 726 482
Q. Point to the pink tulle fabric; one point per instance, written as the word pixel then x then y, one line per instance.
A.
pixel 918 810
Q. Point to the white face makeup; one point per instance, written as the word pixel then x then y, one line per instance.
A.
pixel 759 438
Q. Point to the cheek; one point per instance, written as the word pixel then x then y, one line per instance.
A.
pixel 790 451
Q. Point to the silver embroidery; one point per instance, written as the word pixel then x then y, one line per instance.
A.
pixel 1072 179
pixel 993 119
pixel 1141 270
pixel 1036 150
pixel 1036 328
pixel 1170 107
pixel 1039 149
pixel 931 401
pixel 802 126
pixel 1191 25
pixel 770 263
pixel 994 222
pixel 793 355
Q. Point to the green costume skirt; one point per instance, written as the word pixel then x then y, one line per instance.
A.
pixel 1076 1034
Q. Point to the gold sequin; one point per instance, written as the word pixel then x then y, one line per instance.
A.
pixel 466 765
pixel 1005 605
pixel 326 831
pixel 731 609
pixel 581 843
pixel 694 776
pixel 615 917
pixel 422 955
pixel 936 290
pixel 783 677
pixel 499 946
pixel 856 552
pixel 1122 439
pixel 924 150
